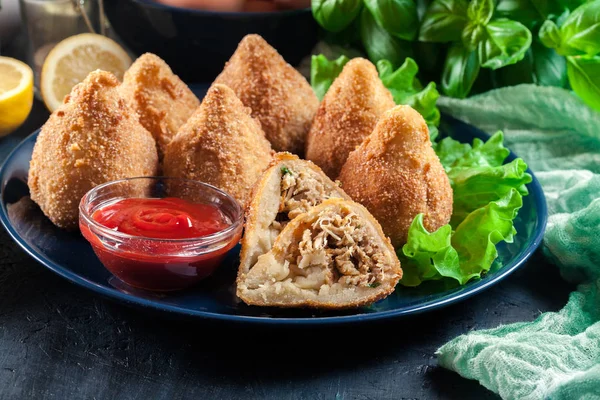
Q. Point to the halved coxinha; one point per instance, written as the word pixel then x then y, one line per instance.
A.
pixel 307 244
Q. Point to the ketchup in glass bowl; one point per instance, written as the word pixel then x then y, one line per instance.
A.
pixel 160 233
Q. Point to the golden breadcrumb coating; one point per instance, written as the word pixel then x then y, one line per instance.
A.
pixel 347 115
pixel 396 174
pixel 92 138
pixel 279 96
pixel 221 144
pixel 162 101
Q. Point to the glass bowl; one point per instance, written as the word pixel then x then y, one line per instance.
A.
pixel 160 264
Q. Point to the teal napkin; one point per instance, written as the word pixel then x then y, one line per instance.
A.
pixel 557 356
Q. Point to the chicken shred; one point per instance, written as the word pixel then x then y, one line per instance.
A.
pixel 299 192
pixel 336 249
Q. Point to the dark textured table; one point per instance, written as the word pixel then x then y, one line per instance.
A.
pixel 59 341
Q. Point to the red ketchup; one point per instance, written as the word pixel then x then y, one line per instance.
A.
pixel 168 248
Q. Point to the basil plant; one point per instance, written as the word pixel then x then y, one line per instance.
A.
pixel 477 40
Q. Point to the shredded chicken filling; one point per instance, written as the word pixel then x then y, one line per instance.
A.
pixel 336 249
pixel 299 192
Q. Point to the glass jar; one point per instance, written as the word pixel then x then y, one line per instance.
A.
pixel 49 21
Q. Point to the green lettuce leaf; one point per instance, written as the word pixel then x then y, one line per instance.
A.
pixel 428 256
pixel 478 186
pixel 323 72
pixel 407 89
pixel 476 237
pixel 454 154
pixel 450 151
pixel 462 254
pixel 487 197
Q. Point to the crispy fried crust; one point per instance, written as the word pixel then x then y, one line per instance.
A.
pixel 347 115
pixel 279 96
pixel 164 103
pixel 221 144
pixel 92 138
pixel 288 296
pixel 265 196
pixel 396 174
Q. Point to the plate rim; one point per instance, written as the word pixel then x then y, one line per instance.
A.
pixel 132 300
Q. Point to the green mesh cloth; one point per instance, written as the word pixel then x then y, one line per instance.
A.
pixel 556 356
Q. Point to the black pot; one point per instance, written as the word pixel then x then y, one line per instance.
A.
pixel 196 44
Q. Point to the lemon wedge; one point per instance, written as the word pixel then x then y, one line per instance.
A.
pixel 16 94
pixel 72 59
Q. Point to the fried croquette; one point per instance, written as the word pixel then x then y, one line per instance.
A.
pixel 163 102
pixel 347 115
pixel 396 174
pixel 92 138
pixel 290 187
pixel 221 144
pixel 333 256
pixel 279 96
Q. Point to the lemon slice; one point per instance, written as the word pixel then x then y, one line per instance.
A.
pixel 16 94
pixel 72 59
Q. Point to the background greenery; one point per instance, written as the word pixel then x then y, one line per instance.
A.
pixel 469 47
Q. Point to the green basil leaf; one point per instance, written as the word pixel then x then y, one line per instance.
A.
pixel 550 35
pixel 460 71
pixel 480 11
pixel 430 58
pixel 584 77
pixel 323 72
pixel 444 21
pixel 422 6
pixel 528 12
pixel 571 4
pixel 550 68
pixel 563 17
pixel 515 74
pixel 347 37
pixel 540 65
pixel 335 15
pixel 379 44
pixel 397 17
pixel 581 31
pixel 472 35
pixel 506 43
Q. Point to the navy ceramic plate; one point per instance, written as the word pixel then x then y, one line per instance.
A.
pixel 70 255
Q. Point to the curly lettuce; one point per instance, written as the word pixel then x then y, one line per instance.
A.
pixel 487 197
pixel 323 72
pixel 408 90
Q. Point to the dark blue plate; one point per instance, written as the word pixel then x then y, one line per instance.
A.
pixel 70 255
